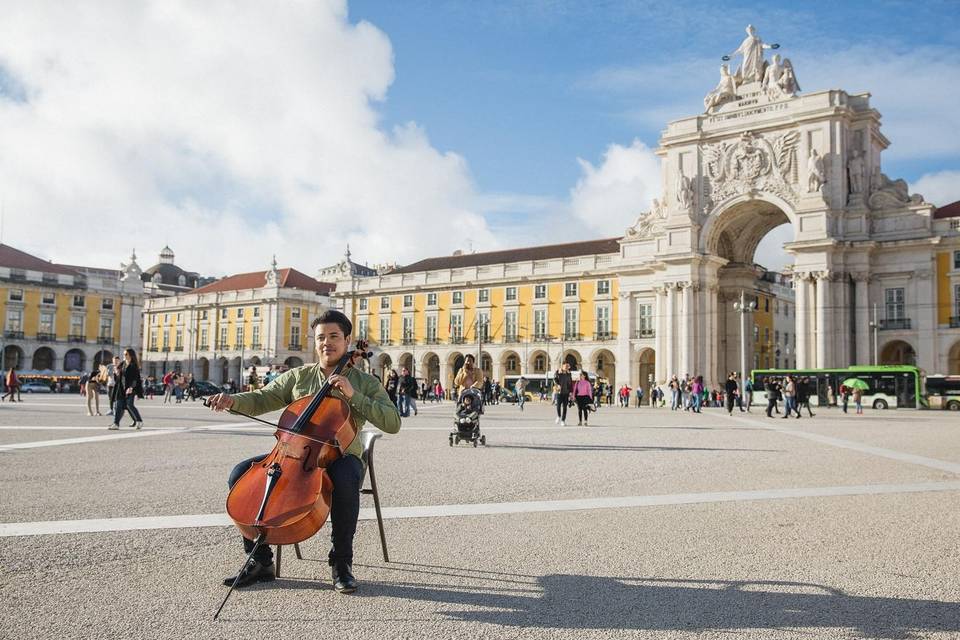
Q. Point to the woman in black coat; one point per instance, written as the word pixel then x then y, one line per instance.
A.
pixel 126 389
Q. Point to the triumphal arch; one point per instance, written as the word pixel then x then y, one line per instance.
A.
pixel 763 153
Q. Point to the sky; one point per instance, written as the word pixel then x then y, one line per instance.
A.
pixel 235 130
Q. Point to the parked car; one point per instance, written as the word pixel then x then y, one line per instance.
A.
pixel 207 388
pixel 35 387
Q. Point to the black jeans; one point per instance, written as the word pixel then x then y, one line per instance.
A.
pixel 562 406
pixel 125 403
pixel 583 408
pixel 347 475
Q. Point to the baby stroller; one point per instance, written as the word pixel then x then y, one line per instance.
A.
pixel 467 419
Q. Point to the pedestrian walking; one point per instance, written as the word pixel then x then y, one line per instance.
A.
pixel 790 398
pixel 91 388
pixel 696 390
pixel 858 400
pixel 437 391
pixel 13 385
pixel 583 396
pixel 803 396
pixel 730 389
pixel 563 382
pixel 521 389
pixel 772 389
pixel 639 394
pixel 167 382
pixel 831 396
pixel 391 387
pixel 845 394
pixel 748 391
pixel 128 387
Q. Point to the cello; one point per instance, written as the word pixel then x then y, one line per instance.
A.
pixel 285 498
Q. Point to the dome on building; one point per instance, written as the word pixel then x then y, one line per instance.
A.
pixel 166 274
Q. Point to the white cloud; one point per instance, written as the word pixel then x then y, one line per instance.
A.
pixel 610 197
pixel 230 130
pixel 940 188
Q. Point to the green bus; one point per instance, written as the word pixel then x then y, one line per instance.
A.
pixel 888 386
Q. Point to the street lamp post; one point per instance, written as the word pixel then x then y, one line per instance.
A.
pixel 743 308
pixel 875 325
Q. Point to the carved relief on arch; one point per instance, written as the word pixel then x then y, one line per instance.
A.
pixel 752 164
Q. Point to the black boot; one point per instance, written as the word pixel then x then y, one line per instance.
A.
pixel 343 580
pixel 253 571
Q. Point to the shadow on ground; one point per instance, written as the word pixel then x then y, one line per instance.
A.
pixel 612 447
pixel 658 604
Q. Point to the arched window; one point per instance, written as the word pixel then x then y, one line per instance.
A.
pixel 182 280
pixel 512 363
pixel 540 364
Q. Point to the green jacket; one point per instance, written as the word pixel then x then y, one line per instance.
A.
pixel 369 403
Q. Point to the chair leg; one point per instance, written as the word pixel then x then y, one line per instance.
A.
pixel 276 560
pixel 376 506
pixel 296 548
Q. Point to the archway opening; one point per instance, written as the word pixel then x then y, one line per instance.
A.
pixel 752 240
pixel 13 357
pixel 953 361
pixel 898 352
pixel 573 359
pixel 203 368
pixel 406 362
pixel 648 372
pixel 102 357
pixel 43 359
pixel 293 362
pixel 604 365
pixel 431 367
pixel 74 360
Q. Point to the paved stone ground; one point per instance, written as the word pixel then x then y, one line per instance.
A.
pixel 647 524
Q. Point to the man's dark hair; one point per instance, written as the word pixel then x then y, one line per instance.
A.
pixel 333 316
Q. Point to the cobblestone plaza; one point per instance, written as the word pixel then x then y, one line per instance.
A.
pixel 648 524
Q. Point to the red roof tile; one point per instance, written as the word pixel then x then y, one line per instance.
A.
pixel 289 279
pixel 16 259
pixel 544 252
pixel 951 210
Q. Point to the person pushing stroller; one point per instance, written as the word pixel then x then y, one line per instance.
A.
pixel 467 420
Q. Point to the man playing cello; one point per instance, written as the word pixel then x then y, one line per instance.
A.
pixel 368 403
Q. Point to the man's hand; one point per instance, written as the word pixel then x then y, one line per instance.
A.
pixel 341 384
pixel 220 402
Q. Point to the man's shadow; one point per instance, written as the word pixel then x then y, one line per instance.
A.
pixel 662 604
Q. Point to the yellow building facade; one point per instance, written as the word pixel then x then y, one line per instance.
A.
pixel 61 319
pixel 217 331
pixel 520 312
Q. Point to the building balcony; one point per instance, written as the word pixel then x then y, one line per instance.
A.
pixel 294 346
pixel 604 336
pixel 76 338
pixel 431 340
pixel 572 337
pixel 165 350
pixel 385 343
pixel 202 347
pixel 511 339
pixel 178 348
pixel 644 333
pixel 153 348
pixel 542 337
pixel 898 324
pixel 408 341
pixel 105 340
pixel 13 335
pixel 46 336
pixel 955 322
pixel 456 339
pixel 256 346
